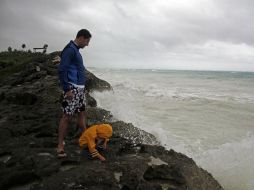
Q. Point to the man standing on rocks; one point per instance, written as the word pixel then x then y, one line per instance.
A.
pixel 71 72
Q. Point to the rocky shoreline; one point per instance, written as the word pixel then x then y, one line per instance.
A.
pixel 29 116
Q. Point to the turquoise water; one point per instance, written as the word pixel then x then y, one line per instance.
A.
pixel 205 114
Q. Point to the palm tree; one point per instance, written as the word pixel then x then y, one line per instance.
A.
pixel 23 46
pixel 9 49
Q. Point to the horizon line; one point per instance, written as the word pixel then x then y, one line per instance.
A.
pixel 166 69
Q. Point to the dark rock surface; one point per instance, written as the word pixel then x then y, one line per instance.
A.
pixel 94 83
pixel 29 116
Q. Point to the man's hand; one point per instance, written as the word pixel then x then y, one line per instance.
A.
pixel 101 158
pixel 69 94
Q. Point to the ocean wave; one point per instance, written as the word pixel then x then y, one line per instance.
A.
pixel 230 163
pixel 184 94
pixel 235 160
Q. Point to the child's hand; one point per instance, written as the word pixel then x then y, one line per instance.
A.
pixel 101 158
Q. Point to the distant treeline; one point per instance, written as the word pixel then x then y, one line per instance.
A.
pixel 23 46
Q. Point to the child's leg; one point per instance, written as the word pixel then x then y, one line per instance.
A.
pixel 85 152
pixel 100 145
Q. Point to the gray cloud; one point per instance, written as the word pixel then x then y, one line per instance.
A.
pixel 186 34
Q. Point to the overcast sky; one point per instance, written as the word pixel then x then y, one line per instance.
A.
pixel 163 34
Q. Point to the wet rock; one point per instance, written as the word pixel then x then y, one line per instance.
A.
pixel 29 118
pixel 94 83
pixel 164 172
pixel 90 101
pixel 22 98
pixel 5 134
pixel 97 115
pixel 137 136
pixel 16 178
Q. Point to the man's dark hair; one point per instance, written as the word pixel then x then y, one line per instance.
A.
pixel 85 33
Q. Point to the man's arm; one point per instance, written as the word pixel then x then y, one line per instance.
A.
pixel 66 58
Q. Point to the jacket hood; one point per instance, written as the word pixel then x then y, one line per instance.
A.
pixel 104 131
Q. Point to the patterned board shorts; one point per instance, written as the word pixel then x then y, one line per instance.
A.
pixel 76 104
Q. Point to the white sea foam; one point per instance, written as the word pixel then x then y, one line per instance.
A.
pixel 231 163
pixel 188 93
pixel 208 116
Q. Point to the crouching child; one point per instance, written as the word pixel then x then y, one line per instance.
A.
pixel 94 140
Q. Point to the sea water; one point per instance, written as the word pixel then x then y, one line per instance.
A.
pixel 209 116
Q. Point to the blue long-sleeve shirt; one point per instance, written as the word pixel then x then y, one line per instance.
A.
pixel 71 69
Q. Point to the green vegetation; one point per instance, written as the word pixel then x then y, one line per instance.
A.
pixel 13 61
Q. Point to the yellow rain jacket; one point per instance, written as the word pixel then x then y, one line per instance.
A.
pixel 90 136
